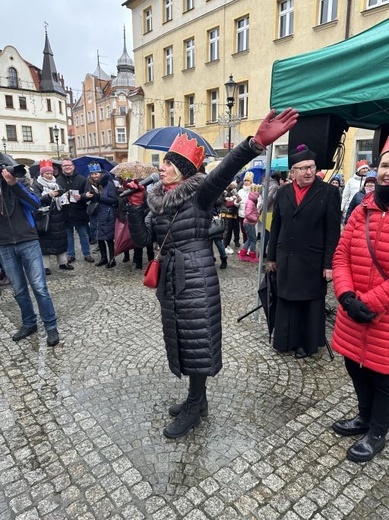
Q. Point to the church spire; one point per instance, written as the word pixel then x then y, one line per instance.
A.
pixel 125 67
pixel 50 79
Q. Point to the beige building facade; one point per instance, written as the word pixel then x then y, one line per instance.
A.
pixel 185 51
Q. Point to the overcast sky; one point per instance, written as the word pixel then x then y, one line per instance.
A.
pixel 77 29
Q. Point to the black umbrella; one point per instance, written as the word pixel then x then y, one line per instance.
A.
pixel 35 167
pixel 268 295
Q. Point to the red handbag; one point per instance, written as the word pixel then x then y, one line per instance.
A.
pixel 152 272
pixel 153 269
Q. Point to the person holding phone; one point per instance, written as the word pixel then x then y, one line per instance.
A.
pixel 55 241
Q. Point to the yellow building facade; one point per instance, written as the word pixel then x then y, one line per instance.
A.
pixel 185 51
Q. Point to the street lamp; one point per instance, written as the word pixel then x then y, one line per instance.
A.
pixel 230 92
pixel 4 141
pixel 56 135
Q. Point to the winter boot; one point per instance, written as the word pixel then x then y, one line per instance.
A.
pixel 242 255
pixel 103 253
pixel 176 409
pixel 223 264
pixel 253 257
pixel 188 418
pixel 111 250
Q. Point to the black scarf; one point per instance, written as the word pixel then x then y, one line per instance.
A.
pixel 381 197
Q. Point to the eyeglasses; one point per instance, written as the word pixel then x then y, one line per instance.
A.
pixel 304 169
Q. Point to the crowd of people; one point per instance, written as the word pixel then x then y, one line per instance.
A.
pixel 305 244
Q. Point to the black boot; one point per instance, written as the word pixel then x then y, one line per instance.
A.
pixel 223 264
pixel 189 415
pixel 112 261
pixel 103 253
pixel 355 426
pixel 188 418
pixel 366 448
pixel 176 409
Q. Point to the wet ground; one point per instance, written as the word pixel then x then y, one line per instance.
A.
pixel 81 424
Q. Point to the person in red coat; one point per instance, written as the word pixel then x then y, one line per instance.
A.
pixel 361 283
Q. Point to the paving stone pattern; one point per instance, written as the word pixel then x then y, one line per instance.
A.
pixel 81 424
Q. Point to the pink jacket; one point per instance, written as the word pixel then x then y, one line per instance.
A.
pixel 354 270
pixel 251 213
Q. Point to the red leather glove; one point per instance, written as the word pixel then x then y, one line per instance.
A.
pixel 273 127
pixel 137 198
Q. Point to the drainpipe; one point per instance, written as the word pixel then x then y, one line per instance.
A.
pixel 348 19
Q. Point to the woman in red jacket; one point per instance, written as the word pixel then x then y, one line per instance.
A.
pixel 360 274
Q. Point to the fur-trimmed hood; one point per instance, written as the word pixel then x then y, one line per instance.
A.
pixel 158 200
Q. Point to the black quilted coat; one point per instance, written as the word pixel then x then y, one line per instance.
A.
pixel 188 289
pixel 55 241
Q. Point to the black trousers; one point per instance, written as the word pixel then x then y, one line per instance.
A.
pixel 196 388
pixel 372 389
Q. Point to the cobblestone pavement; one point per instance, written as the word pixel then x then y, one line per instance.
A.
pixel 81 423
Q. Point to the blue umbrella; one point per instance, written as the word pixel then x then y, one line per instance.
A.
pixel 162 138
pixel 81 163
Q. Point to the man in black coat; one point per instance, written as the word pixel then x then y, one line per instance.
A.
pixel 304 233
pixel 76 216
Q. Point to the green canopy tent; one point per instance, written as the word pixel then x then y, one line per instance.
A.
pixel 349 79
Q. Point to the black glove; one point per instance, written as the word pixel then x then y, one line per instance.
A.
pixel 355 308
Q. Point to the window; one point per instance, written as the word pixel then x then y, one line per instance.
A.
pixel 148 20
pixel 77 120
pixel 242 34
pixel 109 137
pixel 9 101
pixel 92 116
pixel 243 99
pixel 13 78
pixel 213 42
pixel 82 119
pixel 103 138
pixel 83 141
pixel 27 133
pixel 170 112
pixel 101 111
pixel 168 61
pixel 78 141
pixel 214 105
pixel 150 116
pixel 62 135
pixel 120 135
pixel 122 110
pixel 374 3
pixel 190 109
pixel 149 68
pixel 107 111
pixel 60 107
pixel 328 10
pixel 188 5
pixel 189 53
pixel 168 10
pixel 285 10
pixel 94 142
pixel 11 132
pixel 22 103
pixel 48 105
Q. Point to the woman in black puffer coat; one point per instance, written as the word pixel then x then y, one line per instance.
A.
pixel 101 191
pixel 188 291
pixel 55 241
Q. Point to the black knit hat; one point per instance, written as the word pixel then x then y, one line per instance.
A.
pixel 301 153
pixel 186 167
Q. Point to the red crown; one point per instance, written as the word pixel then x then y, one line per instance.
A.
pixel 45 162
pixel 188 148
